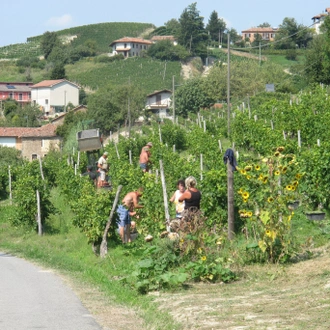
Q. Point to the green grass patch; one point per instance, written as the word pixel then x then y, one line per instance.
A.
pixel 68 252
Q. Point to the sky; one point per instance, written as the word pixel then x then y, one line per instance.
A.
pixel 21 19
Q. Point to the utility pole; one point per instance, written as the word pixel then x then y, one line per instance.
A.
pixel 129 109
pixel 228 86
pixel 173 98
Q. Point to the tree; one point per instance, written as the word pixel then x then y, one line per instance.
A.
pixel 58 71
pixel 166 51
pixel 264 25
pixel 49 40
pixel 215 27
pixel 317 65
pixel 111 106
pixel 291 34
pixel 192 34
pixel 172 27
pixel 191 97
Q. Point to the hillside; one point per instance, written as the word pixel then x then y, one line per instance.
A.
pixel 145 72
pixel 102 33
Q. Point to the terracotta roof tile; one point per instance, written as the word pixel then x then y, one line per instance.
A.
pixel 43 131
pixel 134 40
pixel 260 30
pixel 51 83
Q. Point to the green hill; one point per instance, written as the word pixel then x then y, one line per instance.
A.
pixel 102 33
pixel 147 73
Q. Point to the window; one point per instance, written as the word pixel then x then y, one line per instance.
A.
pixel 34 156
pixel 46 101
pixel 140 46
pixel 133 45
pixel 125 45
pixel 10 95
pixel 20 96
pixel 42 143
pixel 133 54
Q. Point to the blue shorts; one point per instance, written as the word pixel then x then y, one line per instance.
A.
pixel 143 166
pixel 123 215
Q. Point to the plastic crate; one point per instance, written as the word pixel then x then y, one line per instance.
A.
pixel 89 140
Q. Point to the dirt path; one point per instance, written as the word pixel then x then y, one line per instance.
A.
pixel 268 297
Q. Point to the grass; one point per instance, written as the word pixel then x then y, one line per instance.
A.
pixel 66 250
pixel 290 296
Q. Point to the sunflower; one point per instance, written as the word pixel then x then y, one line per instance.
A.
pixel 260 177
pixel 298 176
pixel 295 183
pixel 248 177
pixel 240 192
pixel 257 167
pixel 203 258
pixel 248 168
pixel 245 200
pixel 284 169
pixel 265 179
pixel 249 214
pixel 277 172
pixel 199 250
pixel 288 187
pixel 276 154
pixel 245 195
pixel 243 172
pixel 270 199
pixel 280 149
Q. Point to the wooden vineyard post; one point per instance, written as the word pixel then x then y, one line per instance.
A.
pixel 167 213
pixel 39 214
pixel 10 192
pixel 104 244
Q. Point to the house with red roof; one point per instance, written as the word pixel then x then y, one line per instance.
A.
pixel 318 20
pixel 18 91
pixel 130 46
pixel 266 33
pixel 53 96
pixel 33 142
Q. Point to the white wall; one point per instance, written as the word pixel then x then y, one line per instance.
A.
pixel 8 142
pixel 59 95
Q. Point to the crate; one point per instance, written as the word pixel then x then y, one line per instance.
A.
pixel 89 140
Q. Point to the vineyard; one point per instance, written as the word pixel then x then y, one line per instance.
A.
pixel 149 74
pixel 103 34
pixel 283 157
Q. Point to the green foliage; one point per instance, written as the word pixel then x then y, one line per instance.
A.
pixel 58 72
pixel 48 42
pixel 165 50
pixel 28 181
pixel 215 26
pixel 102 34
pixel 191 97
pixel 111 106
pixel 192 34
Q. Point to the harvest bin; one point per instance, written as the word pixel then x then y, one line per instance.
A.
pixel 89 140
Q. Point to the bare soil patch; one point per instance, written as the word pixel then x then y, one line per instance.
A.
pixel 296 296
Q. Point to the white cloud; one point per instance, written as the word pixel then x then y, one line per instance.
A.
pixel 61 21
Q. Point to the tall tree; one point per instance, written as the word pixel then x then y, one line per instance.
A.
pixel 49 41
pixel 291 34
pixel 216 26
pixel 264 25
pixel 192 34
pixel 172 27
pixel 317 65
pixel 58 71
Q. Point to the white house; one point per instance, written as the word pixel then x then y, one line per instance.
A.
pixel 130 46
pixel 54 95
pixel 159 103
pixel 318 20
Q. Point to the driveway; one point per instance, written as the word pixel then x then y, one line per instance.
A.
pixel 35 298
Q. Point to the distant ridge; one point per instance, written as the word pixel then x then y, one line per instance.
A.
pixel 102 33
